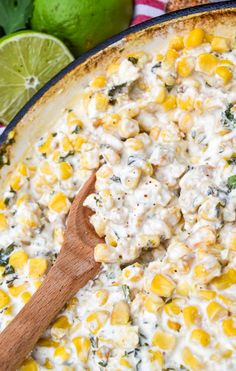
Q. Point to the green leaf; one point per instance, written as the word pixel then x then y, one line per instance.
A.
pixel 228 118
pixel 15 14
pixel 231 182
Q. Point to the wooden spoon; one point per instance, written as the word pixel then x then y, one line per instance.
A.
pixel 74 267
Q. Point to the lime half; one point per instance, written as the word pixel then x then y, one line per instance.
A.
pixel 27 61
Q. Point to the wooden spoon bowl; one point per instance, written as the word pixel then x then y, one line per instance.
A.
pixel 74 267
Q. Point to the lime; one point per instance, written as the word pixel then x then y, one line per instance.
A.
pixel 27 60
pixel 81 24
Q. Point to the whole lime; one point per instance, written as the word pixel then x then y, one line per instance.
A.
pixel 81 24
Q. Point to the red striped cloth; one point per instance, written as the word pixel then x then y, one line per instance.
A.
pixel 146 9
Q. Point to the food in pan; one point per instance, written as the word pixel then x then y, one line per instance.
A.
pixel 159 121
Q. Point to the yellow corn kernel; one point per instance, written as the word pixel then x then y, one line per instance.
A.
pixel 16 290
pixel 226 61
pixel 66 170
pixel 225 280
pixel 22 169
pixel 47 364
pixel 169 103
pixel 133 179
pixel 62 353
pixel 78 142
pixel 29 365
pixel 227 353
pixel 186 104
pixel 55 155
pixel 152 304
pixel 2 204
pixel 58 202
pixel 61 323
pixel 185 67
pixel 224 73
pixel 194 38
pixel 125 363
pixel 190 315
pixel 2 270
pixel 159 57
pixel 121 313
pixel 206 294
pixel 4 299
pixel 201 337
pixel 22 199
pixel 220 44
pixel 18 259
pixel 175 326
pixel 162 285
pixel 101 253
pixel 102 296
pixel 72 120
pixel 37 284
pixel 147 169
pixel 161 95
pixel 15 183
pixel 229 327
pixel 47 343
pixel 37 267
pixel 183 289
pixel 148 241
pixel 82 345
pixel 111 122
pixel 156 356
pixel 96 320
pixel 45 168
pixel 113 68
pixel 185 123
pixel 172 308
pixel 207 63
pixel 135 144
pixel 101 102
pixel 163 340
pixel 170 57
pixel 45 148
pixel 26 296
pixel 215 311
pixel 67 145
pixel 3 222
pixel 154 133
pixel 190 360
pixel 98 82
pixel 11 135
pixel 176 43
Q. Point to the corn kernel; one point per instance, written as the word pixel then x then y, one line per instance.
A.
pixel 161 95
pixel 215 311
pixel 175 326
pixel 62 353
pixel 78 142
pixel 220 44
pixel 133 178
pixel 185 104
pixel 206 294
pixel 111 122
pixel 37 267
pixel 169 103
pixel 101 102
pixel 16 290
pixel 163 340
pixel 113 68
pixel 29 365
pixel 45 148
pixel 22 199
pixel 47 343
pixel 201 337
pixel 176 43
pixel 185 123
pixel 170 57
pixel 98 82
pixel 224 73
pixel 207 63
pixel 101 253
pixel 172 308
pixel 4 299
pixel 58 203
pixel 225 280
pixel 185 67
pixel 121 313
pixel 16 183
pixel 156 356
pixel 194 38
pixel 22 169
pixel 162 285
pixel 191 360
pixel 96 320
pixel 47 364
pixel 3 222
pixel 2 204
pixel 66 170
pixel 18 259
pixel 190 315
pixel 61 323
pixel 228 327
pixel 73 120
pixel 125 363
pixel 183 289
pixel 154 133
pixel 82 345
pixel 102 296
pixel 152 304
pixel 26 296
pixel 67 145
pixel 135 144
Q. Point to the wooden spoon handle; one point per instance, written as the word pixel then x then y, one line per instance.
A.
pixel 20 336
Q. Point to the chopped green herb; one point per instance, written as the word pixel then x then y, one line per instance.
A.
pixel 94 341
pixel 7 201
pixel 133 60
pixel 231 182
pixel 169 87
pixel 102 363
pixel 232 160
pixel 70 153
pixel 115 179
pixel 76 130
pixel 126 293
pixel 155 67
pixel 9 270
pixel 228 118
pixel 116 89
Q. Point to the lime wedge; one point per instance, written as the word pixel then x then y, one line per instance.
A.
pixel 27 61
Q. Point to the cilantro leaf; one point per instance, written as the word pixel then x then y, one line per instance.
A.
pixel 15 14
pixel 231 182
